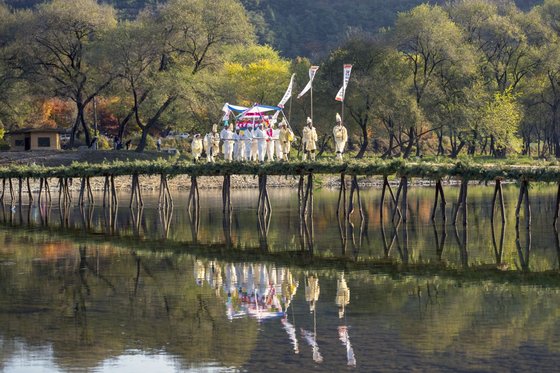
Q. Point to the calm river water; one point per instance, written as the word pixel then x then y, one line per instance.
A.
pixel 165 291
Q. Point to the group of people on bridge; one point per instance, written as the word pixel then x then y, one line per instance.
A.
pixel 262 142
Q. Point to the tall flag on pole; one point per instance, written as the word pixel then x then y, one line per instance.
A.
pixel 312 72
pixel 288 93
pixel 342 92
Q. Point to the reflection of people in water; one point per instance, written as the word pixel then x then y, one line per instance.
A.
pixel 289 288
pixel 312 291
pixel 342 294
pixel 342 299
pixel 216 277
pixel 252 289
pixel 199 272
pixel 345 339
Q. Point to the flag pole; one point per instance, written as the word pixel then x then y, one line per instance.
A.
pixel 312 102
pixel 342 111
pixel 290 108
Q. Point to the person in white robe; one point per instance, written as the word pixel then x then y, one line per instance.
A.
pixel 262 137
pixel 285 138
pixel 212 144
pixel 227 140
pixel 340 137
pixel 309 140
pixel 270 142
pixel 196 147
pixel 248 142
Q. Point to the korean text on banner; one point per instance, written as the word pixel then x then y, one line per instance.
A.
pixel 342 92
pixel 288 93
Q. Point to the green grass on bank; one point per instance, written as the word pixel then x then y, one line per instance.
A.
pixel 431 168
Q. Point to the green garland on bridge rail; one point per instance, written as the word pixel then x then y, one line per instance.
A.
pixel 463 169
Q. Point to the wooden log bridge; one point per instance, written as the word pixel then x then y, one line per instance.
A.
pixel 405 172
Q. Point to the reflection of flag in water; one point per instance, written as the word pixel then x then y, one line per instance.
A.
pixel 345 339
pixel 312 341
pixel 291 330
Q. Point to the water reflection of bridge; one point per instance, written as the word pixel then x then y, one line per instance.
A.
pixel 101 223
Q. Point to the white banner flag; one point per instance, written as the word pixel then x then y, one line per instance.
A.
pixel 226 111
pixel 342 92
pixel 288 93
pixel 312 72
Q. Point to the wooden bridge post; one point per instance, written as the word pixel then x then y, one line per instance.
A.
pixel 462 202
pixel 341 192
pixel 194 195
pixel 106 190
pixel 40 190
pixel 48 190
pixel 82 190
pixel 226 194
pixel 165 198
pixel 439 193
pixel 523 197
pixel 91 200
pixel 136 192
pixel 404 202
pixel 498 191
pixel 556 213
pixel 20 188
pixel 29 194
pixel 115 197
pixel 355 188
pixel 11 185
pixel 3 190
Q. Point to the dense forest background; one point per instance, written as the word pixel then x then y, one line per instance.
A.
pixel 298 27
pixel 462 77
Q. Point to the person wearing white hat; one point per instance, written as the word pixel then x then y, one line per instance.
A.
pixel 309 140
pixel 227 138
pixel 248 141
pixel 196 147
pixel 238 146
pixel 340 137
pixel 262 138
pixel 212 144
pixel 285 138
pixel 255 143
pixel 270 142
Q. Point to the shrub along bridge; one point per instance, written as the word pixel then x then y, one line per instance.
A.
pixel 20 177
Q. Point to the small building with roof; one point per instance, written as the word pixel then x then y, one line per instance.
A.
pixel 24 139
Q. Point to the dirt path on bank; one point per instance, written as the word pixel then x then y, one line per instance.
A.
pixel 67 157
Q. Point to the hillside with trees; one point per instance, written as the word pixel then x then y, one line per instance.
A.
pixel 302 28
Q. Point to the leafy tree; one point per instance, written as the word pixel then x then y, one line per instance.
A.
pixel 501 119
pixel 543 90
pixel 377 92
pixel 161 56
pixel 256 74
pixel 61 45
pixel 14 100
pixel 433 45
